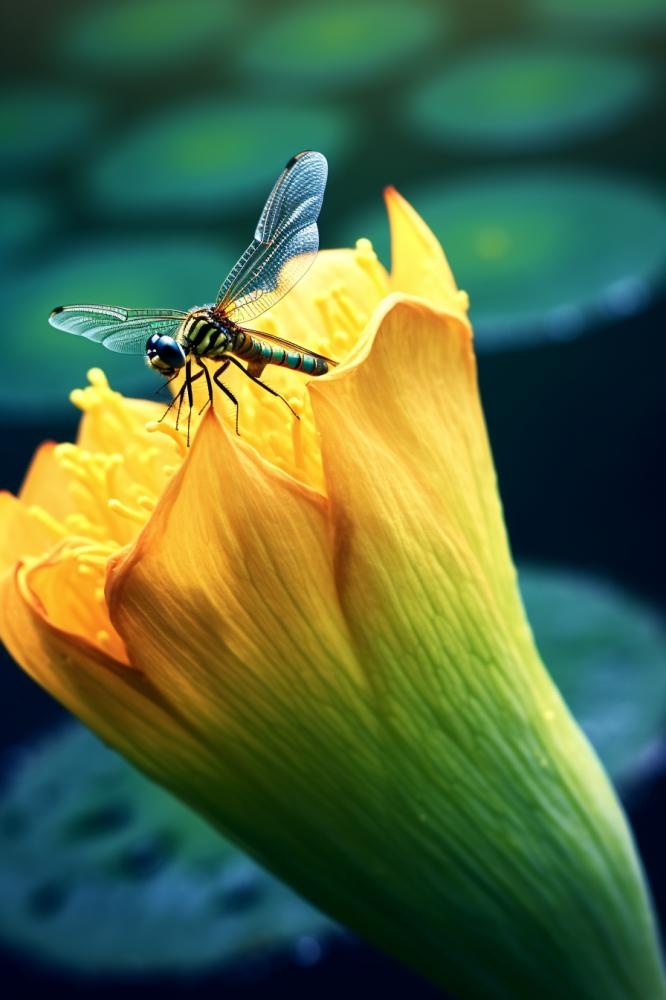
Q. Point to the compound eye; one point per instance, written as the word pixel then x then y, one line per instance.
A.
pixel 151 343
pixel 170 352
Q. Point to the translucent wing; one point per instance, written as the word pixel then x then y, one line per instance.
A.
pixel 270 276
pixel 122 330
pixel 285 241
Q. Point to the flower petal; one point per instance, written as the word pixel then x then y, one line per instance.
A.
pixel 115 701
pixel 227 603
pixel 46 484
pixel 247 619
pixel 67 587
pixel 426 583
pixel 407 406
pixel 32 523
pixel 22 532
pixel 418 263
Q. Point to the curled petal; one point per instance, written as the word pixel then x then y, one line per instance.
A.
pixel 116 701
pixel 244 634
pixel 492 770
pixel 46 484
pixel 244 631
pixel 23 531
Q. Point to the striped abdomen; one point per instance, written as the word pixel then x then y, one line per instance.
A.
pixel 261 352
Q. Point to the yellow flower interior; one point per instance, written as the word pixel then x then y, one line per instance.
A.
pixel 85 501
pixel 90 499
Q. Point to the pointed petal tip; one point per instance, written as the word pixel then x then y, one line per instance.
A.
pixel 418 261
pixel 393 196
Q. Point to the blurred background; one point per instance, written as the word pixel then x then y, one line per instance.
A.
pixel 139 139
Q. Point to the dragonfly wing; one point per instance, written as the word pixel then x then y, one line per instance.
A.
pixel 296 197
pixel 122 330
pixel 271 274
pixel 285 242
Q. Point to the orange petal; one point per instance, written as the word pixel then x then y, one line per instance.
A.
pixel 404 446
pixel 32 523
pixel 227 603
pixel 231 574
pixel 488 757
pixel 23 531
pixel 46 484
pixel 67 586
pixel 418 263
pixel 115 701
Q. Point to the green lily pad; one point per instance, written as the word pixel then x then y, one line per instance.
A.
pixel 26 218
pixel 37 125
pixel 211 157
pixel 604 16
pixel 102 871
pixel 46 364
pixel 607 654
pixel 144 35
pixel 514 97
pixel 340 44
pixel 543 255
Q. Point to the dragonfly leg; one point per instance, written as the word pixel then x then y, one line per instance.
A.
pixel 263 385
pixel 209 385
pixel 189 379
pixel 176 399
pixel 186 387
pixel 190 396
pixel 168 382
pixel 181 397
pixel 216 379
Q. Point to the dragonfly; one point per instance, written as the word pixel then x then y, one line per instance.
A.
pixel 284 247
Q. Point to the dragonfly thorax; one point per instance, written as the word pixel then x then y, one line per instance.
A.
pixel 206 333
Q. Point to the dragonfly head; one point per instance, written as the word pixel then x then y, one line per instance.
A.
pixel 165 354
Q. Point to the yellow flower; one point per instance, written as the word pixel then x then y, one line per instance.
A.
pixel 313 635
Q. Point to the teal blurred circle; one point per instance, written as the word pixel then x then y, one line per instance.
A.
pixel 103 872
pixel 143 35
pixel 606 651
pixel 212 156
pixel 41 365
pixel 26 219
pixel 337 44
pixel 39 123
pixel 601 16
pixel 543 255
pixel 513 97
